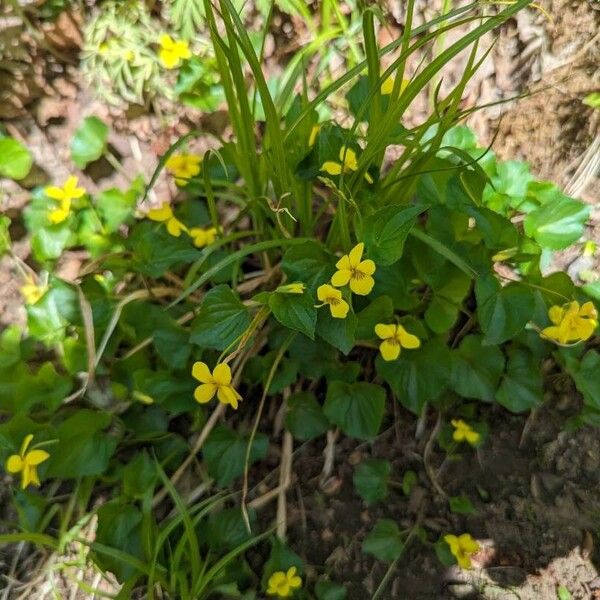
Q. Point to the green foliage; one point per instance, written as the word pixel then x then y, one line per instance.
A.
pixel 371 479
pixel 385 542
pixel 15 159
pixel 89 142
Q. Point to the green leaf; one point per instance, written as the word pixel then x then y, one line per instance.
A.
pixel 281 558
pixel 116 207
pixel 586 375
pixel 4 234
pixel 222 319
pixel 310 263
pixel 139 477
pixel 441 314
pixel 89 142
pixel 356 408
pixel 15 159
pixel 171 342
pixel 226 529
pixel 503 311
pixel 461 505
pixel 225 453
pixel 521 388
pixel 409 479
pixel 386 231
pixel 328 590
pixel 558 223
pixel 295 311
pixel 119 527
pixel 417 376
pixel 380 310
pixel 46 388
pixel 305 419
pixel 384 542
pixel 592 100
pixel 371 479
pixel 476 369
pixel 10 346
pixel 337 332
pixel 562 593
pixel 83 449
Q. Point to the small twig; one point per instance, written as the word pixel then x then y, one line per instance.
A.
pixel 329 454
pixel 528 425
pixel 427 454
pixel 285 477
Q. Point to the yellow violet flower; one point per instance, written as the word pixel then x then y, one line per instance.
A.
pixel 291 288
pixel 63 195
pixel 203 237
pixel 571 322
pixel 183 167
pixel 462 547
pixel 387 87
pixel 463 432
pixel 172 52
pixel 218 382
pixel 26 463
pixel 355 271
pixel 32 292
pixel 337 305
pixel 394 337
pixel 313 135
pixel 348 164
pixel 164 214
pixel 282 584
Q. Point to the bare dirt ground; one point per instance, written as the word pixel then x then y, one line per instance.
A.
pixel 536 494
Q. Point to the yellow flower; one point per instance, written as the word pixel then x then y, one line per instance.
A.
pixel 26 463
pixel 394 337
pixel 347 164
pixel 571 323
pixel 462 547
pixel 172 51
pixel 63 195
pixel 164 214
pixel 203 237
pixel 291 288
pixel 337 305
pixel 352 269
pixel 219 382
pixel 463 432
pixel 183 167
pixel 32 292
pixel 387 87
pixel 282 584
pixel 313 135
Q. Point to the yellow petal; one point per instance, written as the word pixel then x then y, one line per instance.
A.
pixel 166 41
pixel 588 310
pixel 58 215
pixel 199 237
pixel 339 309
pixel 458 435
pixel 464 561
pixel 555 314
pixel 472 436
pixel 468 544
pixel 348 158
pixel 331 167
pixel 313 135
pixel 552 333
pixel 201 372
pixel 205 392
pixel 222 374
pixel 168 59
pixel 71 189
pixel 408 340
pixel 14 463
pixel 452 542
pixel 326 291
pixel 181 49
pixel 227 395
pixel 343 264
pixel 341 278
pixel 26 441
pixel 390 349
pixel 175 227
pixel 164 213
pixel 387 86
pixel 384 331
pixel 362 286
pixel 585 328
pixel 367 267
pixel 36 457
pixel 355 255
pixel 54 192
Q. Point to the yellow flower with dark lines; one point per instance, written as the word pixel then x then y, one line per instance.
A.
pixel 394 338
pixel 27 463
pixel 353 270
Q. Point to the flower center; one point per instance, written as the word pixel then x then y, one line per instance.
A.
pixel 333 300
pixel 357 274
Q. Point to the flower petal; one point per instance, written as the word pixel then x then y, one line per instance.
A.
pixel 552 333
pixel 14 464
pixel 588 310
pixel 390 349
pixel 205 392
pixel 54 192
pixel 348 158
pixel 36 457
pixel 222 374
pixel 362 286
pixel 164 213
pixel 367 267
pixel 201 372
pixel 326 291
pixel 408 340
pixel 166 41
pixel 468 544
pixel 339 309
pixel 341 278
pixel 227 395
pixel 331 167
pixel 58 215
pixel 384 331
pixel 555 314
pixel 26 441
pixel 355 255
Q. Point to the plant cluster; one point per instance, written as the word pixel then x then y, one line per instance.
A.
pixel 305 270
